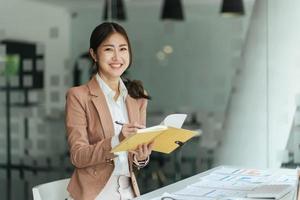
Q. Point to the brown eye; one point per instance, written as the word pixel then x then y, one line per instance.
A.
pixel 108 49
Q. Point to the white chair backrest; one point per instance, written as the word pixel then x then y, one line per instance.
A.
pixel 56 190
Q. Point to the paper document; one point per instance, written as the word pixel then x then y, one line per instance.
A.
pixel 241 176
pixel 181 197
pixel 166 138
pixel 246 172
pixel 209 192
pixel 286 179
pixel 237 198
pixel 218 177
pixel 225 193
pixel 270 191
pixel 195 191
pixel 231 185
pixel 227 170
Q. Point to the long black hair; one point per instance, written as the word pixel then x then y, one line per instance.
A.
pixel 100 33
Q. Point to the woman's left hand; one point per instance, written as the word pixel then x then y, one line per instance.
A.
pixel 143 151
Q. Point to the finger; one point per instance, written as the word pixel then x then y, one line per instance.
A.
pixel 126 125
pixel 133 152
pixel 136 125
pixel 131 129
pixel 140 150
pixel 145 149
pixel 150 145
pixel 125 133
pixel 140 126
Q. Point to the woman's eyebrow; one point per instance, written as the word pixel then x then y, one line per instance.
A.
pixel 108 45
pixel 111 45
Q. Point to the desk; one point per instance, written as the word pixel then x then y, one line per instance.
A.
pixel 191 180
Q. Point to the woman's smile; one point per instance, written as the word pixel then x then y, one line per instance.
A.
pixel 116 65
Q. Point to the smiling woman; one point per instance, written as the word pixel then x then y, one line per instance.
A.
pixel 111 52
pixel 91 110
pixel 113 58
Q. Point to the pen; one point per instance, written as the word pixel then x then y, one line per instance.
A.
pixel 121 123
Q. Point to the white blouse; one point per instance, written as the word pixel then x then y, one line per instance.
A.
pixel 119 113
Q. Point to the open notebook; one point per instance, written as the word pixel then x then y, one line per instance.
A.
pixel 167 136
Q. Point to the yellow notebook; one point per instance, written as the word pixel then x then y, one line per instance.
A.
pixel 166 139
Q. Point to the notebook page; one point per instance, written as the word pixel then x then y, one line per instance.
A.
pixel 174 120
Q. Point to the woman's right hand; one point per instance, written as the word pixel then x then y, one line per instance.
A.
pixel 129 129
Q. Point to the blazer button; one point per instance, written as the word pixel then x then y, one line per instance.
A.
pixel 109 161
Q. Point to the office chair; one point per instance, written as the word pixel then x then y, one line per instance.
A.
pixel 56 190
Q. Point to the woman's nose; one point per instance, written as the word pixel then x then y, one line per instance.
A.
pixel 116 55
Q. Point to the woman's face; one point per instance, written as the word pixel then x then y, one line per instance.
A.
pixel 112 56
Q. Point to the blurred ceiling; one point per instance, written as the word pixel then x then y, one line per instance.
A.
pixel 95 3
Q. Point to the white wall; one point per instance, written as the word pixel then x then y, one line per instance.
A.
pixel 32 21
pixel 261 111
pixel 284 71
pixel 245 126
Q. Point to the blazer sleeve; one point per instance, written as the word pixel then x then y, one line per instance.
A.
pixel 82 153
pixel 143 110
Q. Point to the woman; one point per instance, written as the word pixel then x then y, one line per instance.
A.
pixel 91 112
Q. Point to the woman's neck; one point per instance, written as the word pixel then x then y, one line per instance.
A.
pixel 113 83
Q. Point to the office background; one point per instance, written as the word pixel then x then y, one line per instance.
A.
pixel 235 77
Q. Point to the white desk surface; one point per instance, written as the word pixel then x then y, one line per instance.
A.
pixel 188 181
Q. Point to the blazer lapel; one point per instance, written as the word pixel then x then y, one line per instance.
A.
pixel 100 103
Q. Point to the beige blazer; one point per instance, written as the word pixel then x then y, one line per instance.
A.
pixel 89 131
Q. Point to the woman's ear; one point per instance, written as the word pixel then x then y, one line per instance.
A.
pixel 93 54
